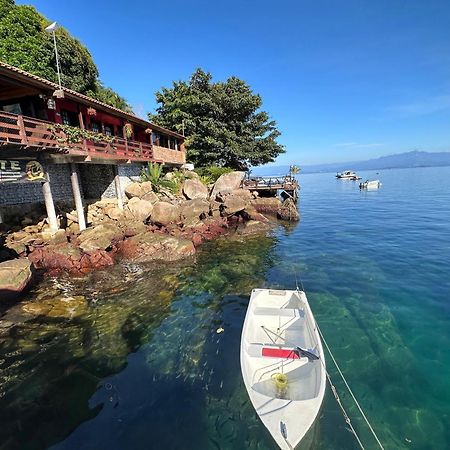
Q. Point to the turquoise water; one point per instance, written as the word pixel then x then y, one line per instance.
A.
pixel 129 358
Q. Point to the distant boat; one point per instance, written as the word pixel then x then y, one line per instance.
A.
pixel 348 175
pixel 374 184
pixel 282 363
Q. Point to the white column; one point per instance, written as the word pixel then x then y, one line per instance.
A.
pixel 118 187
pixel 77 196
pixel 49 206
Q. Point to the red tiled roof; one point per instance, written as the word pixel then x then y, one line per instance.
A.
pixel 84 98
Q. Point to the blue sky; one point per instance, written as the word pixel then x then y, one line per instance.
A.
pixel 345 80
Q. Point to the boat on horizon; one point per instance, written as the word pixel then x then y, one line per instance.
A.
pixel 348 175
pixel 282 363
pixel 370 184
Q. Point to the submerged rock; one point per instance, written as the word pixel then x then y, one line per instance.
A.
pixel 14 277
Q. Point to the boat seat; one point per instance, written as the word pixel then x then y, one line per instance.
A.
pixel 282 312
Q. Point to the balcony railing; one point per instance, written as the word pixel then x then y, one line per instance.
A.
pixel 28 132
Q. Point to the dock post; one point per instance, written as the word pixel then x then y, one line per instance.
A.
pixel 49 206
pixel 118 187
pixel 77 196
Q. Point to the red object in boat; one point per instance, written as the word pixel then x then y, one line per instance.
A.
pixel 280 353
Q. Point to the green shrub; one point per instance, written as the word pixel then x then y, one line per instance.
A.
pixel 153 173
pixel 213 172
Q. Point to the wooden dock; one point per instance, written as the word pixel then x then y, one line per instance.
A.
pixel 269 186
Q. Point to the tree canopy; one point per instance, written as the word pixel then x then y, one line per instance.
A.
pixel 223 123
pixel 25 44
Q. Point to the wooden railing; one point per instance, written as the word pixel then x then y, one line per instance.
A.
pixel 34 133
pixel 283 182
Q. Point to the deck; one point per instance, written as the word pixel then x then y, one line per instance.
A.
pixel 271 185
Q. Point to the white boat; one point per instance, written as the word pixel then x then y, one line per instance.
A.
pixel 374 184
pixel 282 363
pixel 348 175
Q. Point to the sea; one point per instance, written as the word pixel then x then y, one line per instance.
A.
pixel 133 357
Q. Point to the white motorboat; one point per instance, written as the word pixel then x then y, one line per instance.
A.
pixel 374 184
pixel 282 363
pixel 348 175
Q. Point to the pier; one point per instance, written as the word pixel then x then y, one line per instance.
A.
pixel 270 186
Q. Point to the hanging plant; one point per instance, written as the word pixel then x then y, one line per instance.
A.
pixel 92 112
pixel 66 135
pixel 148 130
pixel 128 130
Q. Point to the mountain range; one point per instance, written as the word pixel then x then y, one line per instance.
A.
pixel 414 158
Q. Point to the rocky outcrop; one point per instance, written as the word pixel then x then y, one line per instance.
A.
pixel 194 188
pixel 156 246
pixel 140 209
pixel 194 210
pixel 228 182
pixel 138 190
pixel 267 205
pixel 164 213
pixel 288 211
pixel 233 202
pixel 99 237
pixel 15 275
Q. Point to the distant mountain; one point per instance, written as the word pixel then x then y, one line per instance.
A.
pixel 402 160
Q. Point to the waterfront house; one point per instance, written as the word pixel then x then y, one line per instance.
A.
pixel 57 145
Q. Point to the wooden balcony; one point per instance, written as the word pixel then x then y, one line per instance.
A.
pixel 34 134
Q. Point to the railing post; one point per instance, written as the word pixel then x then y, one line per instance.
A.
pixel 22 132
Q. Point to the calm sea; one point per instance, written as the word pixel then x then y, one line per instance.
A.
pixel 130 359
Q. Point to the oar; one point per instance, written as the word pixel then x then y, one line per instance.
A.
pixel 303 351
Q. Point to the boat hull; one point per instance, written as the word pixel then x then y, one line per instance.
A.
pixel 286 385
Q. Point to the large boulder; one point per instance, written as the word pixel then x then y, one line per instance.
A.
pixel 288 211
pixel 156 246
pixel 228 182
pixel 267 205
pixel 140 209
pixel 193 188
pixel 99 237
pixel 234 202
pixel 14 277
pixel 164 213
pixel 139 190
pixel 194 209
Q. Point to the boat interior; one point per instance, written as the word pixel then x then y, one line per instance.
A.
pixel 280 327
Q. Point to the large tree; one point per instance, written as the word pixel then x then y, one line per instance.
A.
pixel 223 123
pixel 25 44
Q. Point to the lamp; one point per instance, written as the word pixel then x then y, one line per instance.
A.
pixel 51 29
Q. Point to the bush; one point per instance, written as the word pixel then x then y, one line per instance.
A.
pixel 153 173
pixel 212 173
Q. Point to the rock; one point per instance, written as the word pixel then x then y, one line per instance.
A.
pixel 59 307
pixel 99 237
pixel 194 188
pixel 191 174
pixel 253 227
pixel 138 189
pixel 156 246
pixel 288 211
pixel 194 209
pixel 164 213
pixel 250 213
pixel 14 277
pixel 115 213
pixel 228 182
pixel 140 209
pixel 267 205
pixel 233 203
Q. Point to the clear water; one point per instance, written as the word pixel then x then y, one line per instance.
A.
pixel 129 358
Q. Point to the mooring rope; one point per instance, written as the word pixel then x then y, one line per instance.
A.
pixel 350 391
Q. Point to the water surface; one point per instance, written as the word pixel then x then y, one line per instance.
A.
pixel 129 358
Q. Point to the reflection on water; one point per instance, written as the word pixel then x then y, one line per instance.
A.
pixel 130 357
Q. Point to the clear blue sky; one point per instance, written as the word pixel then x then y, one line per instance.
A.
pixel 345 80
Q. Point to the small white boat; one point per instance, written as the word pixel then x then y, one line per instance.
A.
pixel 282 363
pixel 348 175
pixel 374 184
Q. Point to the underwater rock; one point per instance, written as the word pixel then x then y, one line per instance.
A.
pixel 14 277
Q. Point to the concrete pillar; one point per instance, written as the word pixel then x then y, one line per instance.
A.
pixel 77 196
pixel 49 206
pixel 118 187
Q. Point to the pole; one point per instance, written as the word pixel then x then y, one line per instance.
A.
pixel 57 60
pixel 118 187
pixel 49 206
pixel 77 197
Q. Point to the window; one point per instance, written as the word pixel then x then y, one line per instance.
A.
pixel 109 130
pixel 155 138
pixel 69 118
pixel 95 126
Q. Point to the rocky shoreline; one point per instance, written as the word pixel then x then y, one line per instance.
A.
pixel 152 226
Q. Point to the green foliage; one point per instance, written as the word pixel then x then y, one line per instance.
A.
pixel 206 179
pixel 294 170
pixel 154 174
pixel 25 44
pixel 223 123
pixel 213 172
pixel 65 134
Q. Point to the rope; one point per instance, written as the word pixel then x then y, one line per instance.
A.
pixel 349 390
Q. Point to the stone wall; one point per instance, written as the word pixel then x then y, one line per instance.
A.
pixel 128 173
pixel 97 181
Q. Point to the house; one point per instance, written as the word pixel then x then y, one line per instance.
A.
pixel 60 146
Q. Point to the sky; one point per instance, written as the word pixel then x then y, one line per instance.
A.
pixel 345 80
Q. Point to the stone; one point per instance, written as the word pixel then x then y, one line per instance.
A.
pixel 99 237
pixel 288 211
pixel 138 189
pixel 196 208
pixel 15 276
pixel 115 213
pixel 228 182
pixel 164 213
pixel 267 205
pixel 250 213
pixel 193 188
pixel 253 227
pixel 191 174
pixel 60 307
pixel 156 246
pixel 150 197
pixel 140 209
pixel 233 203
